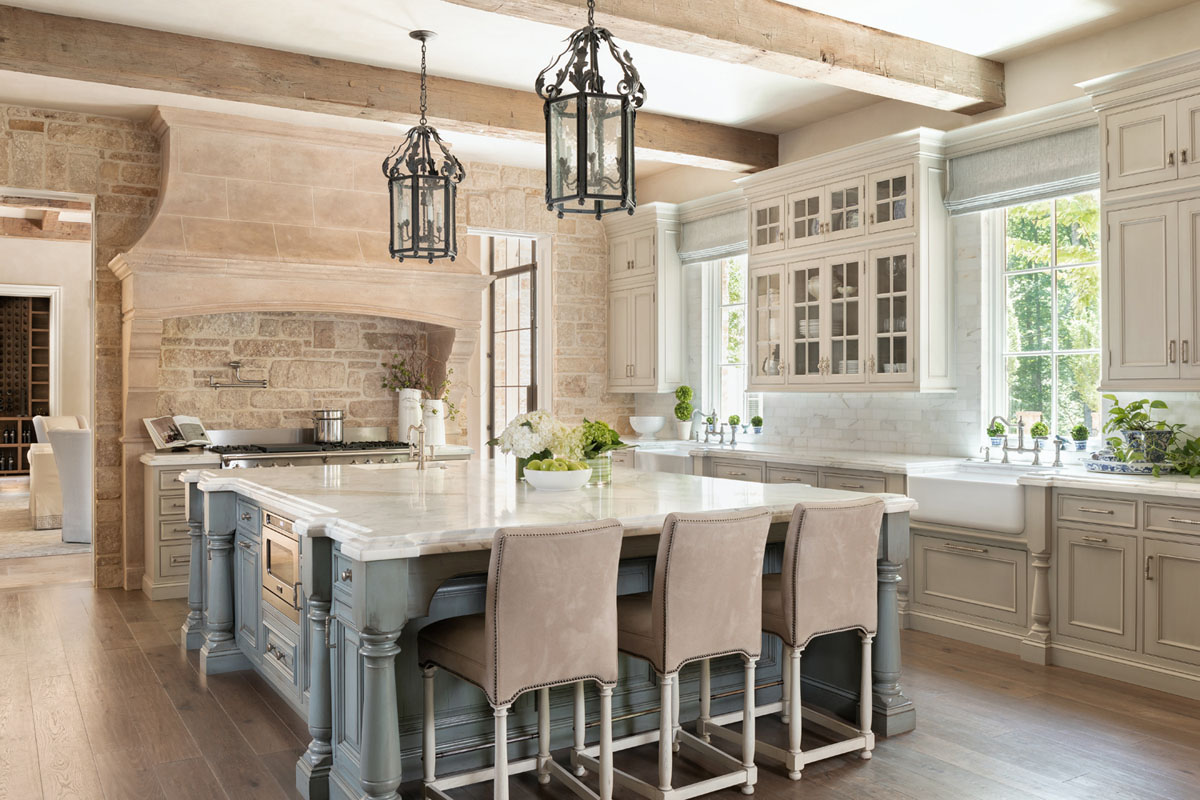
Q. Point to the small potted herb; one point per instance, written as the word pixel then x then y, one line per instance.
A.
pixel 1140 434
pixel 997 432
pixel 1079 435
pixel 1040 431
pixel 756 422
pixel 734 420
pixel 683 412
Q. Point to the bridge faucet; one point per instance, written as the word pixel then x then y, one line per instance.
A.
pixel 1006 425
pixel 695 427
pixel 420 429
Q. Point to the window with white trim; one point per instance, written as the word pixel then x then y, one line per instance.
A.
pixel 728 343
pixel 1047 353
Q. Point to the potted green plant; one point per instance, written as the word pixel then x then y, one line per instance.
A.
pixel 597 440
pixel 997 432
pixel 1079 435
pixel 683 412
pixel 756 422
pixel 1040 431
pixel 734 420
pixel 1141 437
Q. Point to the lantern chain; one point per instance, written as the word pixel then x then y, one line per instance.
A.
pixel 591 13
pixel 422 81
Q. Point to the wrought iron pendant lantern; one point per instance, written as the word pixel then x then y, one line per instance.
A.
pixel 589 132
pixel 423 177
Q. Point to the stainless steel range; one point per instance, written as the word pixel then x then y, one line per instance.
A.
pixel 294 447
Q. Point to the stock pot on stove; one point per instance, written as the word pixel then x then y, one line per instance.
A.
pixel 327 425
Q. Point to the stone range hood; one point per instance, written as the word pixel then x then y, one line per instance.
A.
pixel 267 216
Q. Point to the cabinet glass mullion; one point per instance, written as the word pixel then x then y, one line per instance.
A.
pixel 806 321
pixel 845 314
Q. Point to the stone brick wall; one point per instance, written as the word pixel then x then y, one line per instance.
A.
pixel 118 161
pixel 310 361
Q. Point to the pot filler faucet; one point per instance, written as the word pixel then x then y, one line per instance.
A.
pixel 1036 449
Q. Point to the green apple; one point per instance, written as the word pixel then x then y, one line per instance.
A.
pixel 534 464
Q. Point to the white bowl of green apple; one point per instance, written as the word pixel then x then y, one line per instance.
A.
pixel 557 474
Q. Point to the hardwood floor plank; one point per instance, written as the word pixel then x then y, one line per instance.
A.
pixel 65 760
pixel 295 723
pixel 150 633
pixel 282 766
pixel 128 775
pixel 19 766
pixel 11 640
pixel 254 718
pixel 191 779
pixel 42 644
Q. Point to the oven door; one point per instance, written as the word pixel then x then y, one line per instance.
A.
pixel 281 571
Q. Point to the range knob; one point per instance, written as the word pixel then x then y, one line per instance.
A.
pixel 352 461
pixel 366 461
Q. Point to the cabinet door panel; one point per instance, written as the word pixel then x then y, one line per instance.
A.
pixel 1141 146
pixel 620 257
pixel 642 337
pixel 1141 292
pixel 1189 289
pixel 1172 573
pixel 767 226
pixel 983 581
pixel 806 218
pixel 619 360
pixel 1189 136
pixel 643 255
pixel 807 285
pixel 891 203
pixel 1097 587
pixel 891 314
pixel 845 213
pixel 248 609
pixel 767 322
pixel 846 326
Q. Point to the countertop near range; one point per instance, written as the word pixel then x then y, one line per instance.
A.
pixel 902 463
pixel 385 511
pixel 1076 477
pixel 192 457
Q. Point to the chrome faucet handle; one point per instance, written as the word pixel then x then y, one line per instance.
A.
pixel 987 453
pixel 1058 446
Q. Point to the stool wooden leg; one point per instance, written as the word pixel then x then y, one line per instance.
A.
pixel 675 713
pixel 787 684
pixel 748 725
pixel 796 721
pixel 865 698
pixel 580 728
pixel 667 691
pixel 428 731
pixel 500 783
pixel 705 699
pixel 543 754
pixel 606 747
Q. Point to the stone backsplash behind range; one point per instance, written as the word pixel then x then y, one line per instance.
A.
pixel 310 360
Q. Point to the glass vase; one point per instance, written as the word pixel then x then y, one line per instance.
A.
pixel 521 462
pixel 601 467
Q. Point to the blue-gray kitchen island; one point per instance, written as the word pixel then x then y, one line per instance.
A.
pixel 319 578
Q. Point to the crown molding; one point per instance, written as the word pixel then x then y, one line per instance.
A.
pixel 1002 131
pixel 1144 82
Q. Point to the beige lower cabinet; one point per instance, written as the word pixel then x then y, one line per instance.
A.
pixel 1097 587
pixel 738 470
pixel 852 482
pixel 981 580
pixel 792 475
pixel 168 549
pixel 1171 572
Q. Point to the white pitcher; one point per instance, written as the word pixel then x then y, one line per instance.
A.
pixel 410 411
pixel 434 414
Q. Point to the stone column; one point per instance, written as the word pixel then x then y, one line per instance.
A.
pixel 220 652
pixel 894 712
pixel 192 634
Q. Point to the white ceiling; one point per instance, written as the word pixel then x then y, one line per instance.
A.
pixel 494 49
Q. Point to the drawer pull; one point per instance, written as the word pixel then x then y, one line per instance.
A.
pixel 963 548
pixel 245 516
pixel 346 575
pixel 786 479
pixel 180 561
pixel 1149 561
pixel 176 505
pixel 1087 510
pixel 736 474
pixel 1184 520
pixel 851 485
pixel 276 653
pixel 329 644
pixel 244 545
pixel 1096 539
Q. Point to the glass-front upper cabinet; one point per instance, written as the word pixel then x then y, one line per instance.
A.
pixel 767 226
pixel 891 274
pixel 845 363
pixel 806 223
pixel 891 200
pixel 806 288
pixel 845 215
pixel 767 326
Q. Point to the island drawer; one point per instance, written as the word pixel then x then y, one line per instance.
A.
pixel 280 650
pixel 172 530
pixel 343 575
pixel 248 516
pixel 851 482
pixel 980 580
pixel 738 470
pixel 173 506
pixel 790 475
pixel 1172 519
pixel 1098 510
pixel 173 559
pixel 168 480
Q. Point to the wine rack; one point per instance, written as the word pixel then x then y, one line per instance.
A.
pixel 24 377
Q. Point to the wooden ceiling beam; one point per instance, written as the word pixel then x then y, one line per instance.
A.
pixel 779 37
pixel 140 58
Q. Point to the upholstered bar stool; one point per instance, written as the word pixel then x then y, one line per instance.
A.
pixel 706 603
pixel 550 620
pixel 828 585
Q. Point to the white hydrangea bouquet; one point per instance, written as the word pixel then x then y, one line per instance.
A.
pixel 538 434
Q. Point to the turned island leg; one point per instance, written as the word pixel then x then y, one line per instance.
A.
pixel 220 652
pixel 380 770
pixel 192 634
pixel 895 713
pixel 312 770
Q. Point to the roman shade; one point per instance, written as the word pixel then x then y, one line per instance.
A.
pixel 1037 169
pixel 719 236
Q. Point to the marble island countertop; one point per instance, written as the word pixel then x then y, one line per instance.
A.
pixel 396 511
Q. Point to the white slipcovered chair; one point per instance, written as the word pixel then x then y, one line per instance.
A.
pixel 60 483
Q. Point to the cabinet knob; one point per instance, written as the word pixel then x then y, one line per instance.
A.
pixel 1171 159
pixel 1171 352
pixel 245 516
pixel 346 575
pixel 1183 156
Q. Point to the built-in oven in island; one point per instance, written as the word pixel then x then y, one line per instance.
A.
pixel 281 565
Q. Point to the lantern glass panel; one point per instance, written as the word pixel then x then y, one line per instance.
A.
pixel 402 217
pixel 564 147
pixel 604 145
pixel 431 200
